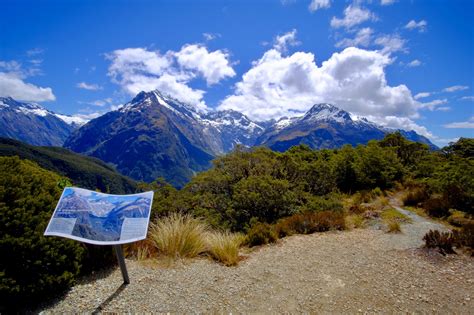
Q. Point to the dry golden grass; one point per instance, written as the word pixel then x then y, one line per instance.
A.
pixel 224 247
pixel 179 236
pixel 354 221
pixel 394 227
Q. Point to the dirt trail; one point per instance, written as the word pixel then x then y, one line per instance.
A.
pixel 362 270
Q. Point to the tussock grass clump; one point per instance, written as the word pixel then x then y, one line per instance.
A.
pixel 179 235
pixel 224 247
pixel 354 221
pixel 141 250
pixel 394 227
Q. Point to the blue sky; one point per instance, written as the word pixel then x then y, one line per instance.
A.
pixel 406 64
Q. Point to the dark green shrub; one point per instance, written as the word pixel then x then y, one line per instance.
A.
pixel 443 241
pixel 437 207
pixel 331 202
pixel 416 196
pixel 260 234
pixel 465 236
pixel 32 267
pixel 310 222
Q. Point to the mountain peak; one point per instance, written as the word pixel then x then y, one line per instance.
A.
pixel 325 111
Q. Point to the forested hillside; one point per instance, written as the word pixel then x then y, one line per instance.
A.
pixel 86 172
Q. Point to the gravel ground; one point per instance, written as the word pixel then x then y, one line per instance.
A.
pixel 362 270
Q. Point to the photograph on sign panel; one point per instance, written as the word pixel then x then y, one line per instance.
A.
pixel 101 218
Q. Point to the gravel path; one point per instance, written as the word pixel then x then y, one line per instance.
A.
pixel 361 270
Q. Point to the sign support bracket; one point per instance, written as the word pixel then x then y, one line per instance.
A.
pixel 121 261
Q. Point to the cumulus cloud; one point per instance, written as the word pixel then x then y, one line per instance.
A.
pixel 213 66
pixel 363 38
pixel 319 4
pixel 461 125
pixel 387 2
pixel 13 85
pixel 140 69
pixel 455 88
pixel 282 42
pixel 353 15
pixel 353 79
pixel 87 86
pixel 420 26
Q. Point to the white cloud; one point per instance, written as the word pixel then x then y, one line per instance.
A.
pixel 139 69
pixel 12 84
pixel 353 79
pixel 401 123
pixel 468 98
pixel 87 86
pixel 391 43
pixel 319 4
pixel 387 2
pixel 461 125
pixel 362 38
pixel 210 36
pixel 455 88
pixel 282 42
pixel 420 26
pixel 422 95
pixel 414 63
pixel 432 105
pixel 213 66
pixel 353 15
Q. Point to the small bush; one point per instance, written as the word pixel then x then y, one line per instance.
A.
pixel 260 234
pixel 443 241
pixel 394 227
pixel 224 247
pixel 310 222
pixel 415 196
pixel 356 209
pixel 330 202
pixel 465 237
pixel 437 207
pixel 458 218
pixel 354 221
pixel 179 235
pixel 378 192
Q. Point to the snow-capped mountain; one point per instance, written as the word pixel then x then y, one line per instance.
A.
pixel 32 123
pixel 155 135
pixel 327 126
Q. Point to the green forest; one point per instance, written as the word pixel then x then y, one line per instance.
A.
pixel 256 192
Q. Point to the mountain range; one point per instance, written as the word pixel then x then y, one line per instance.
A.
pixel 32 123
pixel 156 135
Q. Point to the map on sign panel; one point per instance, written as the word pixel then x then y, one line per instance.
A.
pixel 102 219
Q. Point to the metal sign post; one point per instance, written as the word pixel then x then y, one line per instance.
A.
pixel 121 261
